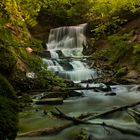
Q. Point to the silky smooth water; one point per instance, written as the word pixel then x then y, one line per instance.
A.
pixel 69 41
pixel 92 102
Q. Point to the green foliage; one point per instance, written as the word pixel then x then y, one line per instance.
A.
pixel 83 135
pixel 108 15
pixel 121 72
pixel 44 78
pixel 8 110
pixel 64 12
pixel 120 47
pixel 29 10
pixel 134 59
pixel 114 39
pixel 136 48
pixel 48 79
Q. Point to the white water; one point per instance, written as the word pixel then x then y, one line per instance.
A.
pixel 93 102
pixel 67 37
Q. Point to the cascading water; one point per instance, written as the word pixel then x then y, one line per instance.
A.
pixel 69 41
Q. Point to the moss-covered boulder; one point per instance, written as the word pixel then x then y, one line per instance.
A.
pixel 8 111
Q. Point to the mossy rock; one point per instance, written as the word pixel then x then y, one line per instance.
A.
pixel 7 61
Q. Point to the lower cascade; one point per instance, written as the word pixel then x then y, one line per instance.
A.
pixel 65 45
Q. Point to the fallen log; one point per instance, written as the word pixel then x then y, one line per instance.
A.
pixel 77 121
pixel 50 101
pixel 64 89
pixel 91 116
pixel 46 131
pixel 82 119
pixel 122 108
pixel 49 131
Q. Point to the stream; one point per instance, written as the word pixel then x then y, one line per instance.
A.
pixel 65 45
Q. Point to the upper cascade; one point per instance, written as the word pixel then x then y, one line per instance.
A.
pixel 67 37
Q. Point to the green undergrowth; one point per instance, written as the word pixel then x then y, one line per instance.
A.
pixel 43 78
pixel 120 52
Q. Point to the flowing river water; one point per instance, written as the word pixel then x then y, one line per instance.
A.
pixel 65 45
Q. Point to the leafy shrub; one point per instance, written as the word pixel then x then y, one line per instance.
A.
pixel 121 72
pixel 136 48
pixel 120 47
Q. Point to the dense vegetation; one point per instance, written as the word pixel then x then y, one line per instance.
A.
pixel 23 20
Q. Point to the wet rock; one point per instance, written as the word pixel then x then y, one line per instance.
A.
pixel 111 94
pixel 90 137
pixel 43 54
pixel 103 87
pixel 66 65
pixel 75 93
pixel 59 52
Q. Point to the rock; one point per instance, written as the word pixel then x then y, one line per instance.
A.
pixel 111 94
pixel 75 93
pixel 43 54
pixel 103 87
pixel 59 52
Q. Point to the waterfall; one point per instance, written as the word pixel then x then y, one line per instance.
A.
pixel 67 37
pixel 68 42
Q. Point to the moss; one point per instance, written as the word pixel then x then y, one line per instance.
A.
pixel 8 110
pixel 82 135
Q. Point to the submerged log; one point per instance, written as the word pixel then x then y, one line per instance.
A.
pixel 50 101
pixel 121 108
pixel 45 131
pixel 49 131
